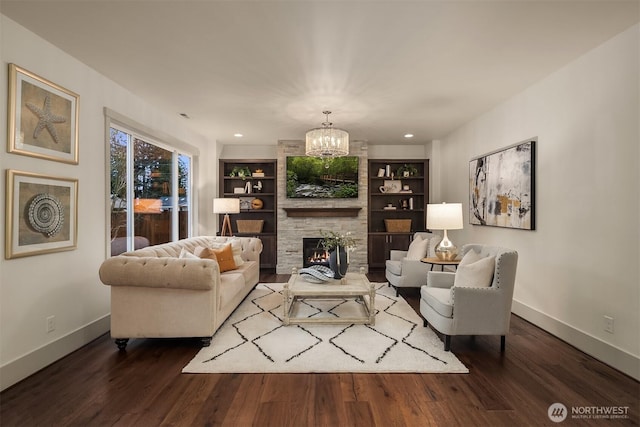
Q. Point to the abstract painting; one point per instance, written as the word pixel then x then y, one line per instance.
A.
pixel 502 187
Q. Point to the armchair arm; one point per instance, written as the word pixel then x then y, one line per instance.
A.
pixel 396 255
pixel 440 279
pixel 484 310
pixel 177 273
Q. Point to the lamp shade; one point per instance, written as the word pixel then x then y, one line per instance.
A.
pixel 226 206
pixel 444 216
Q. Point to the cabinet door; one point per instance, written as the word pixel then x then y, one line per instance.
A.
pixel 378 251
pixel 399 242
pixel 269 249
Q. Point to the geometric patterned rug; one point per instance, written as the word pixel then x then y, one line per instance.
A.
pixel 254 340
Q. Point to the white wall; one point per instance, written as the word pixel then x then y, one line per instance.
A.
pixel 582 262
pixel 66 284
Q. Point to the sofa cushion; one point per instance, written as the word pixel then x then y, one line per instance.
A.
pixel 418 248
pixel 475 270
pixel 231 283
pixel 394 267
pixel 225 258
pixel 439 299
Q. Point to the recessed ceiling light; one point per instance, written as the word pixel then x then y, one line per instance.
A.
pixel 238 135
pixel 408 135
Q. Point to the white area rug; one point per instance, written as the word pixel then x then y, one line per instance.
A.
pixel 253 339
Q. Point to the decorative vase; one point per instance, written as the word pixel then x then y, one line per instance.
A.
pixel 338 262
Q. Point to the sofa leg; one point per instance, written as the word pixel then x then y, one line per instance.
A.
pixel 503 343
pixel 206 341
pixel 447 343
pixel 122 343
pixel 425 323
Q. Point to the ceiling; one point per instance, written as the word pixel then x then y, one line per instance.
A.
pixel 267 69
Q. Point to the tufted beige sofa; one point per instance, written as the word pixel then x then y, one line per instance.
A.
pixel 156 294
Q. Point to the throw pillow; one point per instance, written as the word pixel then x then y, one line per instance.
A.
pixel 186 254
pixel 470 257
pixel 476 274
pixel 236 246
pixel 206 253
pixel 418 248
pixel 225 258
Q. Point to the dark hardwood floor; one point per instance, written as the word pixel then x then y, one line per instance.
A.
pixel 100 386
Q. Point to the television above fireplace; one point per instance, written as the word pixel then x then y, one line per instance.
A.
pixel 312 177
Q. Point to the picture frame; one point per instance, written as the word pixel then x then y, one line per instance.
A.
pixel 42 118
pixel 245 203
pixel 391 186
pixel 41 214
pixel 502 187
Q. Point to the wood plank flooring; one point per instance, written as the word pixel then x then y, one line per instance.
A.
pixel 99 386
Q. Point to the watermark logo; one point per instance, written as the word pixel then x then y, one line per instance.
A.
pixel 557 412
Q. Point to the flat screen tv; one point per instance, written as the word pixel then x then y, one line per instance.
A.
pixel 313 177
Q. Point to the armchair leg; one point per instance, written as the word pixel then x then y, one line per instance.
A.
pixel 205 341
pixel 503 343
pixel 447 343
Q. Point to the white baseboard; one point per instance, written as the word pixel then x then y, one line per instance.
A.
pixel 29 364
pixel 613 356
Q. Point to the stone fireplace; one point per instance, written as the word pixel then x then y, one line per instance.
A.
pixel 293 227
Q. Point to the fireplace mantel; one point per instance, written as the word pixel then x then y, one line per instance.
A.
pixel 323 212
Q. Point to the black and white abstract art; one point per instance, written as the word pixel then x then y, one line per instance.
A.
pixel 501 187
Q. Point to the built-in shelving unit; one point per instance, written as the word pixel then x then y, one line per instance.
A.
pixel 258 204
pixel 397 190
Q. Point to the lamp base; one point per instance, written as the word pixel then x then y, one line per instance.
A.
pixel 446 250
pixel 226 226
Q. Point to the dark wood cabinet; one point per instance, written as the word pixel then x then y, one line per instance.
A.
pixel 397 190
pixel 236 178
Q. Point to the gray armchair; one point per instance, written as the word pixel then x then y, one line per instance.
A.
pixel 470 310
pixel 402 272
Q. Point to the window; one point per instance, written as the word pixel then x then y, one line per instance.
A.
pixel 150 196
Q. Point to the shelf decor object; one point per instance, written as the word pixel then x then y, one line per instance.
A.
pixel 445 216
pixel 226 207
pixel 42 119
pixel 327 141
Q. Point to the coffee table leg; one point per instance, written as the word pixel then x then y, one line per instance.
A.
pixel 285 304
pixel 372 304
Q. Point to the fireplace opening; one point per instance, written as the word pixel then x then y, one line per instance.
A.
pixel 313 253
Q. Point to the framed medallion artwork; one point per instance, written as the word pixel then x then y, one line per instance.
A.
pixel 502 187
pixel 41 214
pixel 42 119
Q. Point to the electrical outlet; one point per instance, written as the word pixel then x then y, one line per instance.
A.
pixel 608 324
pixel 51 324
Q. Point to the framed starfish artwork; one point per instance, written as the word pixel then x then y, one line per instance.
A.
pixel 41 215
pixel 43 118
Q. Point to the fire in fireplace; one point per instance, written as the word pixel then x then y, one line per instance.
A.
pixel 313 253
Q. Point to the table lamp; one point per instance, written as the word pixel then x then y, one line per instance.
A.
pixel 226 206
pixel 445 216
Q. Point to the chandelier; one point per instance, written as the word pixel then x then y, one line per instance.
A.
pixel 327 141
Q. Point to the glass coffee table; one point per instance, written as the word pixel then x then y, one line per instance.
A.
pixel 354 286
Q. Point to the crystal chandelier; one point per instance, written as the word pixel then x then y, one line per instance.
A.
pixel 327 141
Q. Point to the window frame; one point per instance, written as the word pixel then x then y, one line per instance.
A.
pixel 176 147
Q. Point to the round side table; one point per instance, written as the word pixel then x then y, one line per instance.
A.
pixel 437 261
